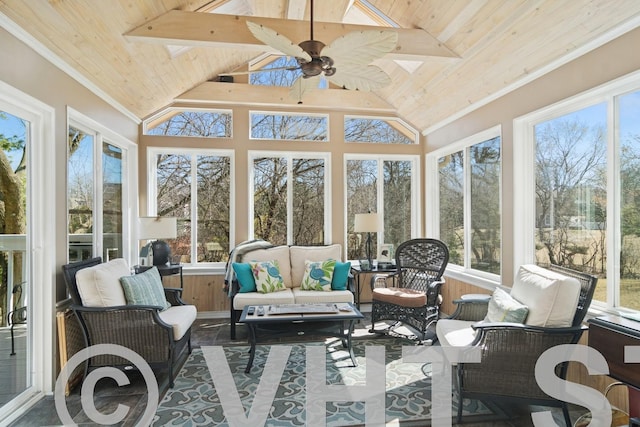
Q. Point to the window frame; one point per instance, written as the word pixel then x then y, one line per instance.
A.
pixel 289 156
pixel 169 110
pixel 289 113
pixel 152 206
pixel 416 191
pixel 432 202
pixel 414 133
pixel 524 177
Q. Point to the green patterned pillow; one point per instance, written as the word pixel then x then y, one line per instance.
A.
pixel 504 308
pixel 267 276
pixel 145 289
pixel 318 275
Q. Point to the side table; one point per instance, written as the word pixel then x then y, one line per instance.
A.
pixel 358 272
pixel 164 270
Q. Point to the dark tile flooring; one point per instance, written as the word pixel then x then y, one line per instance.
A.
pixel 206 332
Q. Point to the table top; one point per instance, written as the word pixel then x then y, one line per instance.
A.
pixel 357 269
pixel 166 269
pixel 352 314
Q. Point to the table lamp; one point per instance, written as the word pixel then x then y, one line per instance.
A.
pixel 366 223
pixel 157 228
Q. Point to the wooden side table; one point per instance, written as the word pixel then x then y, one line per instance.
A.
pixel 164 270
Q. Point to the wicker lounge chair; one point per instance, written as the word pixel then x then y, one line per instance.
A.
pixel 162 338
pixel 510 350
pixel 416 299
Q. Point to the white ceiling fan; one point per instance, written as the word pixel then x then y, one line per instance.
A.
pixel 346 62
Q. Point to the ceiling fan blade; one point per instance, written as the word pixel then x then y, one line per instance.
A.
pixel 361 47
pixel 360 78
pixel 262 70
pixel 277 41
pixel 302 86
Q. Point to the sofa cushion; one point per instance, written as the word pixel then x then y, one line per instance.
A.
pixel 267 276
pixel 310 297
pixel 180 317
pixel 299 254
pixel 552 297
pixel 504 308
pixel 256 298
pixel 318 275
pixel 99 286
pixel 145 289
pixel 245 276
pixel 340 276
pixel 278 253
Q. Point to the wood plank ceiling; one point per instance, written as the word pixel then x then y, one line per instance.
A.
pixel 494 44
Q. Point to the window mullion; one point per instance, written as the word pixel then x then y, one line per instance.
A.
pixel 194 208
pixel 290 200
pixel 466 170
pixel 614 211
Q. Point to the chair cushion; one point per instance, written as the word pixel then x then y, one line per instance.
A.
pixel 340 276
pixel 504 308
pixel 279 254
pixel 180 317
pixel 312 253
pixel 145 289
pixel 267 276
pixel 552 297
pixel 311 297
pixel 318 275
pixel 455 333
pixel 256 298
pixel 245 276
pixel 99 286
pixel 400 296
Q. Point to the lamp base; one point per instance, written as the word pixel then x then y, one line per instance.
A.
pixel 161 252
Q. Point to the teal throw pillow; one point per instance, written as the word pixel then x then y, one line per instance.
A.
pixel 318 275
pixel 267 276
pixel 145 289
pixel 340 276
pixel 244 276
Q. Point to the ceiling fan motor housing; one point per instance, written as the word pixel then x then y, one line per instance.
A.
pixel 318 64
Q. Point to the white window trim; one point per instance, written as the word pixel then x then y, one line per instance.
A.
pixel 42 264
pixel 416 228
pixel 288 113
pixel 290 155
pixel 432 203
pixel 164 112
pixel 152 152
pixel 103 134
pixel 524 173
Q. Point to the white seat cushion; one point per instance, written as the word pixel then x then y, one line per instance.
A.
pixel 99 286
pixel 279 254
pixel 302 296
pixel 180 317
pixel 256 298
pixel 552 298
pixel 300 254
pixel 455 333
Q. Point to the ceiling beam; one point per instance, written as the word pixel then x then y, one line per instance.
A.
pixel 178 27
pixel 213 93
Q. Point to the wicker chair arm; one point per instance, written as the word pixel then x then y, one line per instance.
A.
pixel 133 313
pixel 505 334
pixel 470 309
pixel 380 280
pixel 174 296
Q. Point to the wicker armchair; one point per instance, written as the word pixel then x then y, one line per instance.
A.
pixel 510 351
pixel 416 299
pixel 139 328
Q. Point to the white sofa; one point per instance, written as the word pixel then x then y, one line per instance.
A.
pixel 291 263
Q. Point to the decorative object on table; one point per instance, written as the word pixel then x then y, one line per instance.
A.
pixel 366 223
pixel 156 252
pixel 385 256
pixel 365 265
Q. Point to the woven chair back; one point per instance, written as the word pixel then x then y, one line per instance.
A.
pixel 69 272
pixel 420 263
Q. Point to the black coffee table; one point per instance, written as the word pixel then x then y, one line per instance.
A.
pixel 298 324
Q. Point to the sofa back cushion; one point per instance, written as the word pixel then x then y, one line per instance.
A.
pixel 300 254
pixel 99 286
pixel 551 297
pixel 277 253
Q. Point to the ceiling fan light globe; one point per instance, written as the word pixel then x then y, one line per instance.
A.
pixel 329 71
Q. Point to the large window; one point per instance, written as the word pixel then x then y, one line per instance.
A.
pixel 290 198
pixel 586 186
pixel 468 200
pixel 387 185
pixel 195 187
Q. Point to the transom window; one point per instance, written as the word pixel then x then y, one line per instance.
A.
pixel 383 130
pixel 292 127
pixel 190 122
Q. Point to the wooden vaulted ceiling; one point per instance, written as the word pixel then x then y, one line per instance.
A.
pixel 464 52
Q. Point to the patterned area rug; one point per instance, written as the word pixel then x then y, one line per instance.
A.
pixel 195 400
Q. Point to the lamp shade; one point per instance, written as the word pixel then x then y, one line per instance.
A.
pixel 366 223
pixel 155 227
